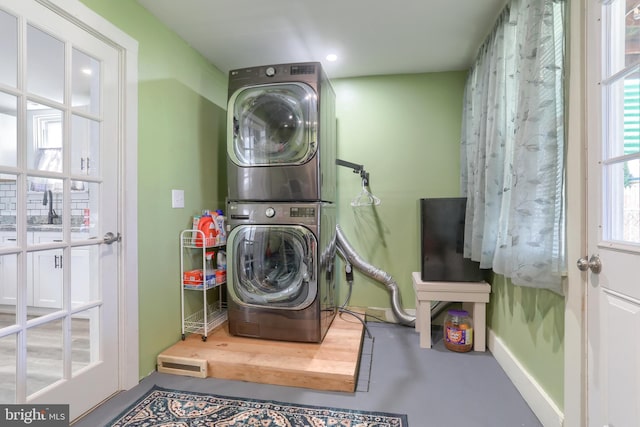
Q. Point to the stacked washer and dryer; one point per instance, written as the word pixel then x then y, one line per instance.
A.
pixel 281 172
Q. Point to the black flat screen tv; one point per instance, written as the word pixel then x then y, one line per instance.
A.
pixel 442 240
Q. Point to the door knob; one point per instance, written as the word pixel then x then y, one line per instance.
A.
pixel 110 238
pixel 593 264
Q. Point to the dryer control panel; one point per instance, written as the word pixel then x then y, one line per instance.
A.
pixel 305 72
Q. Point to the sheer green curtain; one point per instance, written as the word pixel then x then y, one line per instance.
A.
pixel 512 157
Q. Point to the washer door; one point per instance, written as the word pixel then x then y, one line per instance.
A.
pixel 272 125
pixel 272 266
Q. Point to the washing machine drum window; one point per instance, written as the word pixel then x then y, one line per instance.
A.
pixel 273 125
pixel 273 267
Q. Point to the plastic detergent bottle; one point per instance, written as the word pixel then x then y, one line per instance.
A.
pixel 209 275
pixel 206 225
pixel 222 260
pixel 458 331
pixel 220 226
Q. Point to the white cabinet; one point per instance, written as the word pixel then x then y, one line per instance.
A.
pixel 47 282
pixel 8 275
pixel 8 279
pixel 47 278
pixel 196 259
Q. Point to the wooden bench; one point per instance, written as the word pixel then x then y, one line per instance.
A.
pixel 474 297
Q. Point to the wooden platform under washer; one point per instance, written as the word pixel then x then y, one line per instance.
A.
pixel 331 365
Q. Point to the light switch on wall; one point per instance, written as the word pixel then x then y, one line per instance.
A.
pixel 177 198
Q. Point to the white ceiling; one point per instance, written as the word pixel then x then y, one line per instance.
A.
pixel 370 37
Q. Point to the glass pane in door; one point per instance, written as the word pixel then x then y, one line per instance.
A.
pixel 8 210
pixel 84 275
pixel 45 208
pixel 624 34
pixel 85 221
pixel 85 146
pixel 47 279
pixel 8 49
pixel 7 365
pixel 45 65
pixel 85 83
pixel 44 355
pixel 622 125
pixel 84 345
pixel 8 287
pixel 44 137
pixel 8 130
pixel 624 191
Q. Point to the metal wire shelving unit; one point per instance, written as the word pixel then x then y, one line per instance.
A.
pixel 193 244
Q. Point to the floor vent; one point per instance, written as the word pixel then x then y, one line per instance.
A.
pixel 182 366
pixel 364 368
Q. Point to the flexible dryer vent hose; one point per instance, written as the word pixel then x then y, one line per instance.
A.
pixel 346 250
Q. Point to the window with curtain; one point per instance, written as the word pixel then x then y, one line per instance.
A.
pixel 512 152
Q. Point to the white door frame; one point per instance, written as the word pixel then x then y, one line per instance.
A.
pixel 128 335
pixel 575 393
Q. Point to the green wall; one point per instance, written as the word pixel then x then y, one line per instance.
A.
pixel 531 323
pixel 404 129
pixel 181 113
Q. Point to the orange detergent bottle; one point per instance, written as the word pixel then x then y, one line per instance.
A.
pixel 207 227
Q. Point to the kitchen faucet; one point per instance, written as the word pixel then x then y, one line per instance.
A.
pixel 52 213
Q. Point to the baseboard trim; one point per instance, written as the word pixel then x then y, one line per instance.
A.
pixel 538 400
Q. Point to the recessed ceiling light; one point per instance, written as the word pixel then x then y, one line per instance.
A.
pixel 332 57
pixel 87 71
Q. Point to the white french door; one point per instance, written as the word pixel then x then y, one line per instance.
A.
pixel 613 213
pixel 60 124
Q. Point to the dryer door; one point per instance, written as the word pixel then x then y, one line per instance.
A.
pixel 272 125
pixel 272 266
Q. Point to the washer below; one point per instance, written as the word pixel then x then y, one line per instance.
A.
pixel 280 275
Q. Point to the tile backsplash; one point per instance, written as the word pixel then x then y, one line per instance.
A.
pixel 36 210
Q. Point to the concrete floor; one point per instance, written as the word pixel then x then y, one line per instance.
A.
pixel 434 387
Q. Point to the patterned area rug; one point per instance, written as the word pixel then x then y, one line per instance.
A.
pixel 164 407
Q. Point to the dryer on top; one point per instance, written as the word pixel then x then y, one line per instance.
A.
pixel 281 134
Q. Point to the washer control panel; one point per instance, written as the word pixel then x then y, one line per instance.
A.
pixel 302 212
pixel 273 213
